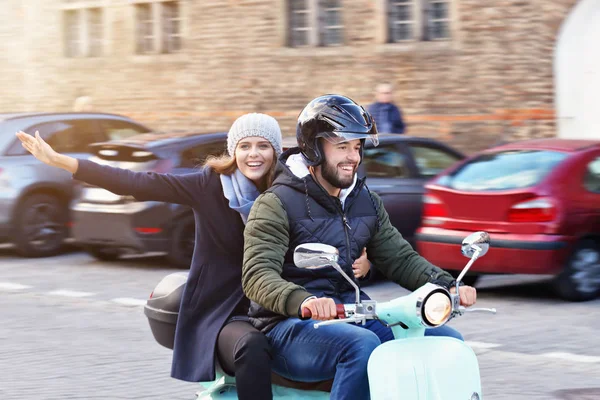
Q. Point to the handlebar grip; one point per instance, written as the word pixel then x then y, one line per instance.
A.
pixel 339 308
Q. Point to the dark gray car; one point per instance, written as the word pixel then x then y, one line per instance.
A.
pixel 34 197
pixel 107 225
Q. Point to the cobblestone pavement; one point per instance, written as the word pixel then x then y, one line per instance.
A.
pixel 73 328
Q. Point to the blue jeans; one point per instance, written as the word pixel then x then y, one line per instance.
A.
pixel 303 353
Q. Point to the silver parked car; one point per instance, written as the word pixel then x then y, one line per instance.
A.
pixel 34 197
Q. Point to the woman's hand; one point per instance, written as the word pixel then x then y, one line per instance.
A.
pixel 45 153
pixel 361 265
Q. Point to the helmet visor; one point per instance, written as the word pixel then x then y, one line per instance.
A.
pixel 337 138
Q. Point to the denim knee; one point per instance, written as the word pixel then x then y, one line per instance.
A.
pixel 362 345
pixel 456 334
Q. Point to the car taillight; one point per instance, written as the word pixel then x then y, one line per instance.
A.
pixel 433 206
pixel 536 210
pixel 433 209
pixel 148 231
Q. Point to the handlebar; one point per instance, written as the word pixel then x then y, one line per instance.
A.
pixel 490 310
pixel 339 308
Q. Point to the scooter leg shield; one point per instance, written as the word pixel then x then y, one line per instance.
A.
pixel 424 368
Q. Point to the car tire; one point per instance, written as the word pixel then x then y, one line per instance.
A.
pixel 103 253
pixel 580 279
pixel 183 239
pixel 41 226
pixel 469 280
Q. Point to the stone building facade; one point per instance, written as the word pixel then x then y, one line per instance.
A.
pixel 468 72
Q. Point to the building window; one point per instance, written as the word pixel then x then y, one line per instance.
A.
pixel 418 20
pixel 437 17
pixel 315 23
pixel 401 20
pixel 83 32
pixel 95 34
pixel 158 27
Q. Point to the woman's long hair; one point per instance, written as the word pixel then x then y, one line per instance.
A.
pixel 227 165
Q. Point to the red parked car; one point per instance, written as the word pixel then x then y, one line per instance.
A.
pixel 540 202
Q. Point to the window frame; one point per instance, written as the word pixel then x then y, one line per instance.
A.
pixel 317 26
pixel 159 36
pixel 83 44
pixel 421 9
pixel 587 171
pixel 16 149
pixel 102 130
pixel 433 146
pixel 399 149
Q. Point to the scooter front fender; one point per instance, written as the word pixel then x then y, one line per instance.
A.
pixel 424 368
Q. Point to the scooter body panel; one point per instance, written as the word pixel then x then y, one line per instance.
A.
pixel 424 368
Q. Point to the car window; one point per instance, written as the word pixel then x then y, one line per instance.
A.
pixel 115 129
pixel 591 180
pixel 195 156
pixel 67 136
pixel 512 169
pixel 385 162
pixel 431 161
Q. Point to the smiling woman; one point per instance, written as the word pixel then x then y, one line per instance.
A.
pixel 221 194
pixel 254 157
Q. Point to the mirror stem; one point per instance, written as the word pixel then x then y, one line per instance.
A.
pixel 341 271
pixel 466 269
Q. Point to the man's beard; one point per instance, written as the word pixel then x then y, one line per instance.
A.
pixel 331 175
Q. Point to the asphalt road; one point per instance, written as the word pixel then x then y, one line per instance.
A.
pixel 73 328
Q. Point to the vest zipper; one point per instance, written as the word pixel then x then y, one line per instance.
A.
pixel 346 229
pixel 338 202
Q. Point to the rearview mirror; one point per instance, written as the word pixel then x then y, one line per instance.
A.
pixel 315 255
pixel 476 242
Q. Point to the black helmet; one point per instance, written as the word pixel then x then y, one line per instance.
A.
pixel 335 118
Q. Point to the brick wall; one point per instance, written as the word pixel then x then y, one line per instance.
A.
pixel 492 81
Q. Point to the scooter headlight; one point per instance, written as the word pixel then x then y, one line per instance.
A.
pixel 436 308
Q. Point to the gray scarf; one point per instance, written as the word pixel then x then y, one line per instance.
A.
pixel 240 191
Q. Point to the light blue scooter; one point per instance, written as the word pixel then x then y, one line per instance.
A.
pixel 412 366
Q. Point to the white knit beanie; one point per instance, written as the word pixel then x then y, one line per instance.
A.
pixel 254 124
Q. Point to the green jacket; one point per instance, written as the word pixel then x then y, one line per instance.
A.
pixel 266 241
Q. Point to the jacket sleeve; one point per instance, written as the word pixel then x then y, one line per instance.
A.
pixel 144 186
pixel 266 241
pixel 395 258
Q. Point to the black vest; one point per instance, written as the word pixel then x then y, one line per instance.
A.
pixel 324 221
pixel 316 217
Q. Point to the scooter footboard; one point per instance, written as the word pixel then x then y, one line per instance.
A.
pixel 424 368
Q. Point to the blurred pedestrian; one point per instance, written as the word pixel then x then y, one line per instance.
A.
pixel 386 114
pixel 213 318
pixel 83 104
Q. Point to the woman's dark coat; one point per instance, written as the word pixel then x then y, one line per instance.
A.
pixel 213 291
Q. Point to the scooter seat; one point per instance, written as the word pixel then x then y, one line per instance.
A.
pixel 323 386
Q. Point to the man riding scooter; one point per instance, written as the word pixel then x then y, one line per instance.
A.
pixel 317 197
